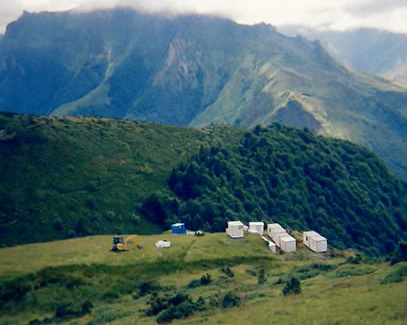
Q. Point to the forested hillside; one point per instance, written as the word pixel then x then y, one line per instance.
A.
pixel 292 177
pixel 70 177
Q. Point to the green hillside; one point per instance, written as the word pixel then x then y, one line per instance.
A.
pixel 292 177
pixel 69 177
pixel 212 279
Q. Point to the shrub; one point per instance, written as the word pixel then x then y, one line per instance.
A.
pixel 68 310
pixel 400 254
pixel 182 310
pixel 13 291
pixel 357 259
pixel 395 274
pixel 227 271
pixel 145 288
pixel 203 281
pixel 110 296
pixel 261 277
pixel 230 300
pixel 292 286
pixel 351 270
pixel 206 279
pixel 157 304
pixel 194 283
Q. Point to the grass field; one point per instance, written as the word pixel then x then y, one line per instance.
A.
pixel 38 279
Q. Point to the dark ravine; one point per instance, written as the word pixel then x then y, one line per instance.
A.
pixel 194 70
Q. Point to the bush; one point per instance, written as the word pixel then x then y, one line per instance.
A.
pixel 227 271
pixel 182 310
pixel 357 259
pixel 230 300
pixel 68 310
pixel 395 274
pixel 400 254
pixel 13 291
pixel 306 272
pixel 292 286
pixel 206 279
pixel 261 277
pixel 351 270
pixel 203 281
pixel 145 288
pixel 194 283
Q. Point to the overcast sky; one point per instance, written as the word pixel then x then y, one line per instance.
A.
pixel 329 14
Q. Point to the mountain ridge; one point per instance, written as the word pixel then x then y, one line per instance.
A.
pixel 194 70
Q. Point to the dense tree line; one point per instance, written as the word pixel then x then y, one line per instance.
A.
pixel 293 177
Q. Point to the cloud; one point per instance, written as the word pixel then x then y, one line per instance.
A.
pixel 338 14
pixel 374 7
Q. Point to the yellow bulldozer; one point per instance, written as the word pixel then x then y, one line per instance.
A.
pixel 121 245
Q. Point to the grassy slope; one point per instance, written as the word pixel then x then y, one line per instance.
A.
pixel 76 176
pixel 325 299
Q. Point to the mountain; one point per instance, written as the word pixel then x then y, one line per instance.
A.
pixel 194 70
pixel 368 50
pixel 75 176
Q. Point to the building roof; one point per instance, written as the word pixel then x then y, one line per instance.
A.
pixel 179 224
pixel 287 238
pixel 274 226
pixel 256 223
pixel 311 233
pixel 277 230
pixel 234 223
pixel 318 238
pixel 282 234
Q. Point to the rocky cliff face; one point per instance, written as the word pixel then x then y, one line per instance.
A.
pixel 194 70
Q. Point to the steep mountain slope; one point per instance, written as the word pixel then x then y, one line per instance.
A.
pixel 292 177
pixel 194 70
pixel 68 177
pixel 369 50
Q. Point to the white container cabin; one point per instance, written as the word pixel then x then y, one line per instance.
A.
pixel 256 227
pixel 235 229
pixel 273 230
pixel 287 244
pixel 315 241
pixel 277 238
pixel 272 247
pixel 272 226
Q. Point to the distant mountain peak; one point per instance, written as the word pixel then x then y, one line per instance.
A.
pixel 194 70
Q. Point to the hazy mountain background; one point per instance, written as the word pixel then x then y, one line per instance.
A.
pixel 194 70
pixel 368 50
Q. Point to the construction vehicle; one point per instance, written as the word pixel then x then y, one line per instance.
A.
pixel 121 245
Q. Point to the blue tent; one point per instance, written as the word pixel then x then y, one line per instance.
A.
pixel 178 228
